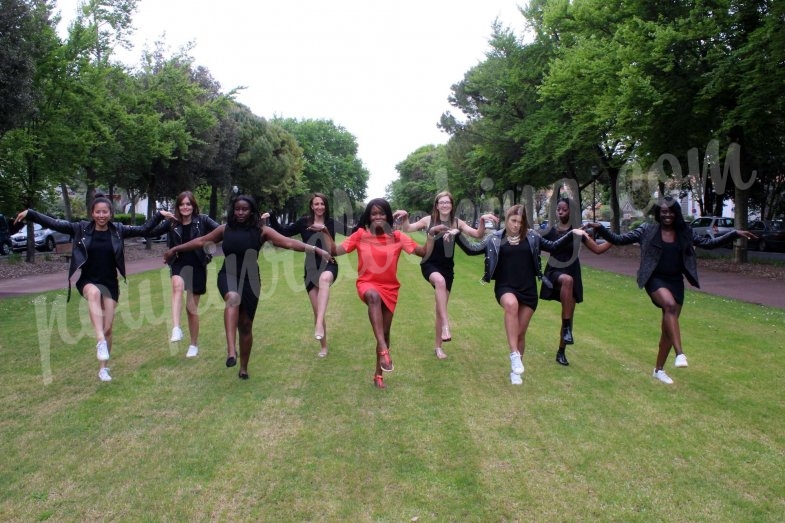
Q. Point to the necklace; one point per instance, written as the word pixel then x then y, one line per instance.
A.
pixel 514 240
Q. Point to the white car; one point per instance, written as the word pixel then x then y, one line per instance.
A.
pixel 711 226
pixel 45 239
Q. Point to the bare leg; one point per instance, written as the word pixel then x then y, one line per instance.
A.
pixel 109 306
pixel 178 287
pixel 376 317
pixel 380 318
pixel 524 317
pixel 670 332
pixel 442 320
pixel 320 297
pixel 101 311
pixel 231 320
pixel 511 323
pixel 191 310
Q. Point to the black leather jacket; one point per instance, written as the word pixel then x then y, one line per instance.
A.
pixel 492 242
pixel 201 225
pixel 650 239
pixel 82 236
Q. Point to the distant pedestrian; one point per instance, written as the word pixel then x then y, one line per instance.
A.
pixel 668 254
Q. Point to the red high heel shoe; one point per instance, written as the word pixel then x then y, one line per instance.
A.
pixel 378 381
pixel 385 362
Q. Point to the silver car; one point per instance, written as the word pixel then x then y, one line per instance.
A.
pixel 45 239
pixel 711 226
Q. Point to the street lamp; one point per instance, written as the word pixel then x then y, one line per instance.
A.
pixel 595 172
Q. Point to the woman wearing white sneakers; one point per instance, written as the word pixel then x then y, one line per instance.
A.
pixel 188 269
pixel 98 252
pixel 512 260
pixel 667 253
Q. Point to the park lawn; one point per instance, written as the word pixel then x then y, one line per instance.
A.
pixel 310 439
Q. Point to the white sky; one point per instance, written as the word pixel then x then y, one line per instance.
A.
pixel 381 70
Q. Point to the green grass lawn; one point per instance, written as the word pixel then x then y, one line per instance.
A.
pixel 310 439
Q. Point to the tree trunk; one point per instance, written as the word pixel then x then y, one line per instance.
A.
pixel 66 202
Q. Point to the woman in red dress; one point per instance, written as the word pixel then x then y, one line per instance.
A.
pixel 378 250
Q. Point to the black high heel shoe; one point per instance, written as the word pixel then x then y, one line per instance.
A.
pixel 243 375
pixel 231 361
pixel 561 358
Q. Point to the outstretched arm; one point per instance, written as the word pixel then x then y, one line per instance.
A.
pixel 420 224
pixel 62 226
pixel 596 248
pixel 479 232
pixel 279 240
pixel 214 236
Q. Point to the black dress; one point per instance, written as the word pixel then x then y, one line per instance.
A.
pixel 314 264
pixel 240 270
pixel 563 262
pixel 516 273
pixel 100 269
pixel 440 260
pixel 188 266
pixel 668 273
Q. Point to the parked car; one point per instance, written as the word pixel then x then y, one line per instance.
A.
pixel 45 239
pixel 5 236
pixel 156 239
pixel 770 233
pixel 711 226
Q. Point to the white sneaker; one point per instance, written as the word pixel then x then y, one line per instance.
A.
pixel 103 374
pixel 516 365
pixel 660 375
pixel 177 334
pixel 193 350
pixel 102 351
pixel 516 379
pixel 681 361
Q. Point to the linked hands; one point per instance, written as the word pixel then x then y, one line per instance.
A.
pixel 20 217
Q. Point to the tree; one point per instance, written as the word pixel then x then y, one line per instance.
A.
pixel 269 162
pixel 330 162
pixel 19 50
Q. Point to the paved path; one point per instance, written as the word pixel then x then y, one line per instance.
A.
pixel 728 284
pixel 731 285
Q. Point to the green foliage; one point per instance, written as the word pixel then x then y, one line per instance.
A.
pixel 330 162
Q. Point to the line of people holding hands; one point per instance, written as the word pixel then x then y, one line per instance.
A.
pixel 512 262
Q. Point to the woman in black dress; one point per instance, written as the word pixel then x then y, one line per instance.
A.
pixel 239 281
pixel 98 252
pixel 564 271
pixel 437 265
pixel 319 273
pixel 512 260
pixel 188 269
pixel 667 253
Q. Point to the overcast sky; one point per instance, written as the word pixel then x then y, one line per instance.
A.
pixel 381 70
